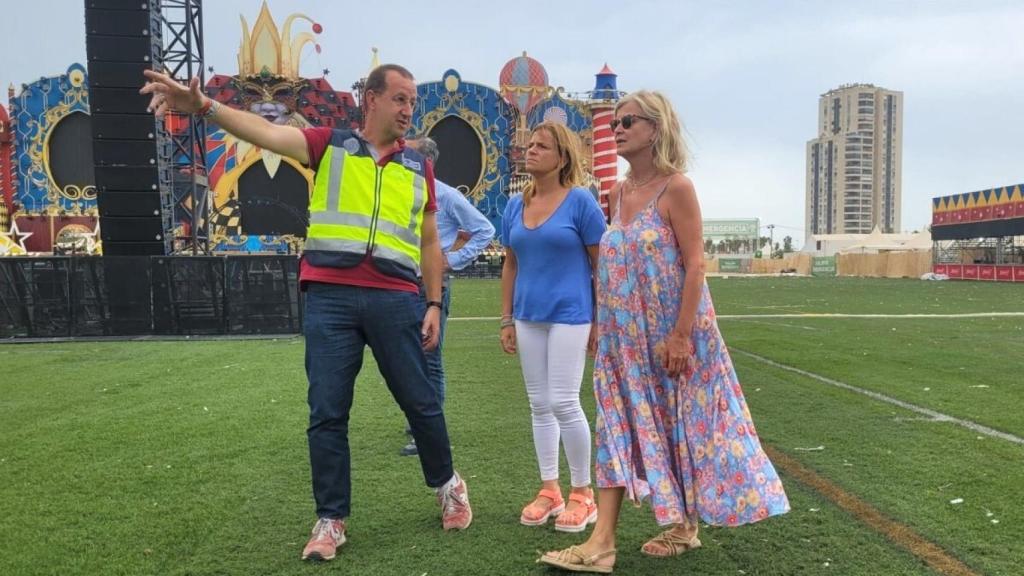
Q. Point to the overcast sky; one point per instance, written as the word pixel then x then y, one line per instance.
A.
pixel 745 76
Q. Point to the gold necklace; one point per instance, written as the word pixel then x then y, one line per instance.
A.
pixel 634 186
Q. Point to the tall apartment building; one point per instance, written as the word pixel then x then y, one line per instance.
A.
pixel 854 166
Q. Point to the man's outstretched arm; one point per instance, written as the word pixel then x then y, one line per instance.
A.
pixel 171 95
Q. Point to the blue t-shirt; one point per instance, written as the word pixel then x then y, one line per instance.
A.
pixel 553 280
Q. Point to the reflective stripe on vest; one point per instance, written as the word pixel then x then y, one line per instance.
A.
pixel 408 235
pixel 359 207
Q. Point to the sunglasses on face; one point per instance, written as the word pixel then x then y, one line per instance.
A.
pixel 628 120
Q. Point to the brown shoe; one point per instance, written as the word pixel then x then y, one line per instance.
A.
pixel 328 535
pixel 456 514
pixel 670 543
pixel 572 559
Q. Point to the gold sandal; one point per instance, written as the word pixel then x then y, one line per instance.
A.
pixel 573 560
pixel 673 542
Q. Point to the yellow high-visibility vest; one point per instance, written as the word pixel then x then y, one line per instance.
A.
pixel 361 209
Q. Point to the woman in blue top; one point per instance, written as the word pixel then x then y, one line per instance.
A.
pixel 551 235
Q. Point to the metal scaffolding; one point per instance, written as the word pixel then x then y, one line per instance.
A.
pixel 997 250
pixel 183 59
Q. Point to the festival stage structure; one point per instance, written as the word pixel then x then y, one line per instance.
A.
pixel 115 224
pixel 978 235
pixel 49 191
pixel 260 200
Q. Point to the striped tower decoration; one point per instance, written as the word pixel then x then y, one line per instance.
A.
pixel 602 108
pixel 6 166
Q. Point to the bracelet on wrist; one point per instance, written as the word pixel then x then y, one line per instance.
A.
pixel 510 323
pixel 209 108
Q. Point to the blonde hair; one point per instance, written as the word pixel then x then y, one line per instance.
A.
pixel 568 146
pixel 669 146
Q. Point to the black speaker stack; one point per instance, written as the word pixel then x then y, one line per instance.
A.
pixel 131 151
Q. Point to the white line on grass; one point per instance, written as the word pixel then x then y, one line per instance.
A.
pixel 828 315
pixel 936 416
pixel 787 325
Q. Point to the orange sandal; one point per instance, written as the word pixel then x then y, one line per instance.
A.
pixel 577 519
pixel 535 514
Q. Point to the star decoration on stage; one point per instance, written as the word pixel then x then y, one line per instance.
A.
pixel 92 240
pixel 12 242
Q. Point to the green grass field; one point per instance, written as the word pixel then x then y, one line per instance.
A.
pixel 189 457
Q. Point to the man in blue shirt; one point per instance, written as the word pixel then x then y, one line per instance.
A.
pixel 457 219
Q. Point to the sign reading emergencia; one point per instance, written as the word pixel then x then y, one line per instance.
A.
pixel 715 229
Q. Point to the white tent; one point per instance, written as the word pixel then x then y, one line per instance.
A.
pixel 830 244
pixel 873 243
pixel 919 241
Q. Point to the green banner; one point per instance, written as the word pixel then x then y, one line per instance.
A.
pixel 716 230
pixel 823 266
pixel 730 264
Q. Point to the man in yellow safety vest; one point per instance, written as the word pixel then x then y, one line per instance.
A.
pixel 372 232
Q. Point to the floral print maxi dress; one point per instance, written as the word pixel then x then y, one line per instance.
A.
pixel 688 443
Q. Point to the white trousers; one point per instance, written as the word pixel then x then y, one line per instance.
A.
pixel 553 358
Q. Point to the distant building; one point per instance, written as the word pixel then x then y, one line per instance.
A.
pixel 854 166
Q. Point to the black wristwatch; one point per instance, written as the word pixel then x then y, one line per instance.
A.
pixel 435 303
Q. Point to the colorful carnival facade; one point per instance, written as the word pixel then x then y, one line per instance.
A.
pixel 258 200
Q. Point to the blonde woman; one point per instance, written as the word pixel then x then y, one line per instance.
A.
pixel 672 424
pixel 551 234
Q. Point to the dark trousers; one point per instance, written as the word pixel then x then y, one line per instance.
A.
pixel 340 321
pixel 435 364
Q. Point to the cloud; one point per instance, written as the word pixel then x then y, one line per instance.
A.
pixel 745 75
pixel 946 54
pixel 753 178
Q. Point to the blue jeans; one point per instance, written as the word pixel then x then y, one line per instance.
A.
pixel 339 322
pixel 435 362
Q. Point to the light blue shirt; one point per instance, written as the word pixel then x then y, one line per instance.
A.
pixel 454 213
pixel 553 278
